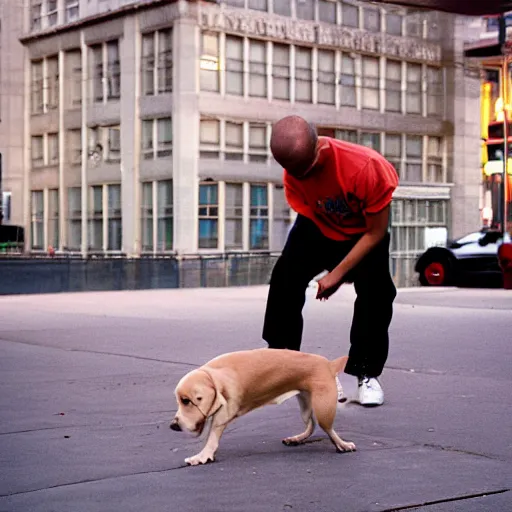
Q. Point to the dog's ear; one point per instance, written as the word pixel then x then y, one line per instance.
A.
pixel 221 393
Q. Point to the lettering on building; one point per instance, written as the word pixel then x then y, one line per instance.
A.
pixel 296 31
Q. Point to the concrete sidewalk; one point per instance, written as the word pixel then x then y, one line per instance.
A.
pixel 87 396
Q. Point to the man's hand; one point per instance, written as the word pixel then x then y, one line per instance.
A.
pixel 328 285
pixel 377 225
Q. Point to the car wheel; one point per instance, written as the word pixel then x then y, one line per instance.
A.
pixel 436 273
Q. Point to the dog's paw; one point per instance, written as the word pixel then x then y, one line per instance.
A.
pixel 346 447
pixel 198 459
pixel 292 441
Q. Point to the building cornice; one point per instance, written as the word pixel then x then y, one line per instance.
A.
pixel 94 20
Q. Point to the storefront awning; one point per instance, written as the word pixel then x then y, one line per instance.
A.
pixel 468 7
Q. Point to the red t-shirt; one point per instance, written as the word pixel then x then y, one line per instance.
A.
pixel 352 182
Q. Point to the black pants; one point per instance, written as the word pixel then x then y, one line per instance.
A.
pixel 308 252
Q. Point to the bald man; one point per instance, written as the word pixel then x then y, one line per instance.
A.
pixel 342 194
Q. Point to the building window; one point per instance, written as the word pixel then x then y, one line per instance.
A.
pixel 414 25
pixel 105 220
pixel 157 204
pixel 258 222
pixel 258 5
pixel 235 3
pixel 350 14
pixel 5 211
pixel 106 71
pixel 97 72
pixel 234 216
pixel 209 138
pixel 414 154
pixel 234 141
pixel 303 74
pixel 370 83
pixel 52 83
pixel 348 81
pixel 106 141
pixel 165 61
pixel 72 10
pixel 147 217
pixel 305 9
pixel 435 171
pixel 257 69
pixel 75 146
pixel 209 63
pixel 96 218
pixel 53 149
pixel 113 77
pixel 393 150
pixel 208 216
pixel 410 218
pixel 157 138
pixel 165 202
pixel 36 14
pixel 393 86
pixel 281 72
pixel 73 63
pixel 157 62
pixel 281 220
pixel 114 227
pixel 347 135
pixel 327 11
pixel 257 142
pixel 283 7
pixel 370 140
pixel 74 218
pixel 326 77
pixel 234 65
pixel 435 96
pixel 51 13
pixel 148 64
pixel 372 20
pixel 37 86
pixel 37 219
pixel 413 90
pixel 53 218
pixel 394 24
pixel 37 151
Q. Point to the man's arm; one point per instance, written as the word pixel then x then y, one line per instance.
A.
pixel 377 226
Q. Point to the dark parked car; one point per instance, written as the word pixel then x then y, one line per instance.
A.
pixel 472 259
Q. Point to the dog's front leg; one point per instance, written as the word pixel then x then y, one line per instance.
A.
pixel 207 454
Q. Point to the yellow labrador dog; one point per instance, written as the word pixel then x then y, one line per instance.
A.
pixel 233 384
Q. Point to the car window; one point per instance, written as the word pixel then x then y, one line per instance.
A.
pixel 471 237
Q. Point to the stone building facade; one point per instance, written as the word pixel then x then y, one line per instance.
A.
pixel 146 124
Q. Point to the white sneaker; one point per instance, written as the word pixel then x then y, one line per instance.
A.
pixel 341 396
pixel 370 392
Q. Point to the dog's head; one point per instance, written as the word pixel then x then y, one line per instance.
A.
pixel 198 398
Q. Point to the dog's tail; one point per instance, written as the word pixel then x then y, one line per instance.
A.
pixel 338 365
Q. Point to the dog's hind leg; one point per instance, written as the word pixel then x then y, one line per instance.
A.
pixel 306 412
pixel 323 402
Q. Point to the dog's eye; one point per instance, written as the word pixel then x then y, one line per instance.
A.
pixel 199 398
pixel 185 401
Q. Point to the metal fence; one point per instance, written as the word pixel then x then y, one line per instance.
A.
pixel 23 275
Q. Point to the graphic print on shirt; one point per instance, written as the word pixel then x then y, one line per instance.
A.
pixel 342 211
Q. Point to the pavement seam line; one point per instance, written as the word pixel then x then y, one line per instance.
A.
pixel 446 500
pixel 91 480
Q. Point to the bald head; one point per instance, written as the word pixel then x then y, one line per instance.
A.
pixel 293 144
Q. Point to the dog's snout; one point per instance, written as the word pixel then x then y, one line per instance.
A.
pixel 175 425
